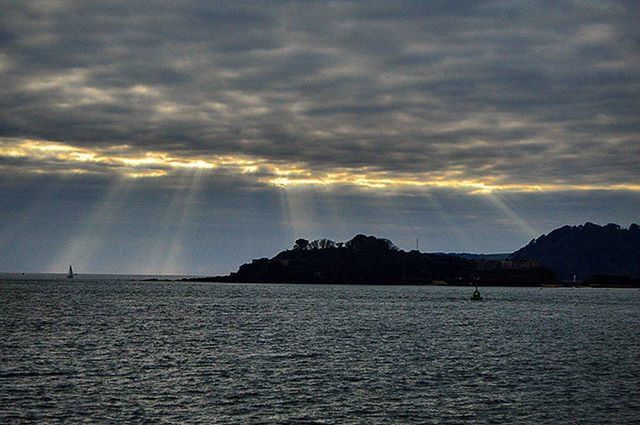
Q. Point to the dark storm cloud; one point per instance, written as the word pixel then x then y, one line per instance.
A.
pixel 520 91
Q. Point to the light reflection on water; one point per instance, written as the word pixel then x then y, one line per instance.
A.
pixel 109 350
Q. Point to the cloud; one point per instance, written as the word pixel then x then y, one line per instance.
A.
pixel 497 93
pixel 20 156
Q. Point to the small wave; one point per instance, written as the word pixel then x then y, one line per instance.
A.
pixel 32 374
pixel 295 356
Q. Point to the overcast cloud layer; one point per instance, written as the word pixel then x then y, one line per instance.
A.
pixel 521 92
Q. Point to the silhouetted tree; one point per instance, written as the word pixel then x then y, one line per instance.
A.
pixel 301 244
pixel 327 243
pixel 371 244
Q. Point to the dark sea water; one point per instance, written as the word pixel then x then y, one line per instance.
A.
pixel 106 350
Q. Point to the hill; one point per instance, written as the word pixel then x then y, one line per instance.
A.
pixel 587 250
pixel 372 260
pixel 490 257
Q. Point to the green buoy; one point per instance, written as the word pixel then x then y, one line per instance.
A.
pixel 476 295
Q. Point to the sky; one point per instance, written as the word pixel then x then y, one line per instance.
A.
pixel 190 137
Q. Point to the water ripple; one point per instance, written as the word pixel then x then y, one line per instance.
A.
pixel 122 351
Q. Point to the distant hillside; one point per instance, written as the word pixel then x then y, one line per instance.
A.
pixel 587 250
pixel 371 260
pixel 490 257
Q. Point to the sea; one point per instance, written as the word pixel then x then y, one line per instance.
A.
pixel 118 349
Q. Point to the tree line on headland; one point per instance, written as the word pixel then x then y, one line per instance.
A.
pixel 549 260
pixel 587 251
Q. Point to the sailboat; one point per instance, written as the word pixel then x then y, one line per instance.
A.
pixel 70 274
